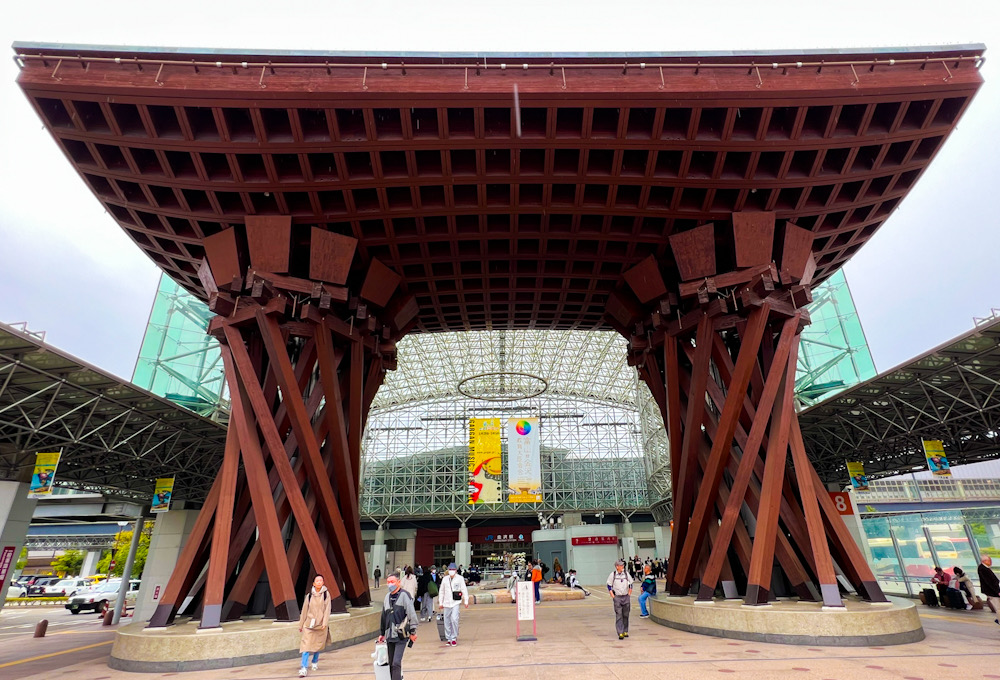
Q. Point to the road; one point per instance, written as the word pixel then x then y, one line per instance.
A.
pixel 70 639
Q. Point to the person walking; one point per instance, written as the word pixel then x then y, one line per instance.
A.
pixel 453 592
pixel 377 574
pixel 990 585
pixel 536 580
pixel 314 624
pixel 399 624
pixel 648 588
pixel 620 589
pixel 409 583
pixel 427 592
pixel 574 582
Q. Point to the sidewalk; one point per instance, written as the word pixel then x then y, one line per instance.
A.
pixel 577 639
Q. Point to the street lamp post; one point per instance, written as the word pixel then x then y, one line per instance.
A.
pixel 114 551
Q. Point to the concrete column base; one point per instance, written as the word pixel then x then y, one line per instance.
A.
pixel 792 622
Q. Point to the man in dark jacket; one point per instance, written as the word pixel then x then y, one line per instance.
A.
pixel 648 587
pixel 990 586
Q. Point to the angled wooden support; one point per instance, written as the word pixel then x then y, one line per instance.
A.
pixel 219 557
pixel 759 578
pixel 745 471
pixel 721 445
pixel 688 462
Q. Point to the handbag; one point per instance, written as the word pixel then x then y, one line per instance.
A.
pixel 381 654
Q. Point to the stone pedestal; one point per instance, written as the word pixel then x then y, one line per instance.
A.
pixel 90 560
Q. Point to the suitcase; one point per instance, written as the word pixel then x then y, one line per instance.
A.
pixel 440 625
pixel 930 595
pixel 955 599
pixel 381 672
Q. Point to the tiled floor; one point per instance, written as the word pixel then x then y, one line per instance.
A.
pixel 577 639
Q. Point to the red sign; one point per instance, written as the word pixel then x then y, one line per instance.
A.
pixel 156 593
pixel 595 540
pixel 842 501
pixel 6 557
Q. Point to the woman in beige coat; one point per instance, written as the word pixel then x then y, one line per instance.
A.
pixel 409 583
pixel 314 624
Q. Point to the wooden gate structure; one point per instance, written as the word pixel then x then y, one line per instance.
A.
pixel 324 205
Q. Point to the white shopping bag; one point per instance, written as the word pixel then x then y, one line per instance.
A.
pixel 381 654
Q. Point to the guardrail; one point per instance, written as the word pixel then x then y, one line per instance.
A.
pixel 922 490
pixel 34 601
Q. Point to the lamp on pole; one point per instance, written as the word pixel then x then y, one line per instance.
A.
pixel 114 551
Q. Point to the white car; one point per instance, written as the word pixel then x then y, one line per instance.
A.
pixel 66 587
pixel 102 596
pixel 15 590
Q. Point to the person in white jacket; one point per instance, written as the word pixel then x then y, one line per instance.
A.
pixel 451 594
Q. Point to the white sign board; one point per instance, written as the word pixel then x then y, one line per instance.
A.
pixel 525 601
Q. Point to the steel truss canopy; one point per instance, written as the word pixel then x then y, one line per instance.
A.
pixel 499 191
pixel 115 438
pixel 952 393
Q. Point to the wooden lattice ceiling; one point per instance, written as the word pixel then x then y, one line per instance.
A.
pixel 419 158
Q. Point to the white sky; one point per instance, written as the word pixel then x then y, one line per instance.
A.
pixel 66 267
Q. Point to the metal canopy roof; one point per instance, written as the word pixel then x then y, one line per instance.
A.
pixel 115 437
pixel 952 393
pixel 498 209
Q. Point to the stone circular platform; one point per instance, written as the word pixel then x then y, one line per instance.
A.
pixel 791 622
pixel 182 647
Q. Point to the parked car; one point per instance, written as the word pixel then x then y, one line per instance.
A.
pixel 36 588
pixel 16 590
pixel 66 587
pixel 102 596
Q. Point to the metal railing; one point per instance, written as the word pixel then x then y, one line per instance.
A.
pixel 924 490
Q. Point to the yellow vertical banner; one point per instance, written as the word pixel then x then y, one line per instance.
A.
pixel 859 480
pixel 162 493
pixel 937 460
pixel 43 475
pixel 485 461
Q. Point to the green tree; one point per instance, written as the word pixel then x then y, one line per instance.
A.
pixel 124 539
pixel 69 563
pixel 22 559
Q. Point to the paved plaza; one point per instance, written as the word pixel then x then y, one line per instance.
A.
pixel 576 639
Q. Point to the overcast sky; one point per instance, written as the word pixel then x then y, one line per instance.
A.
pixel 66 267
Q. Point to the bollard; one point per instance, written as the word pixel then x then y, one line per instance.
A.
pixel 41 627
pixel 108 617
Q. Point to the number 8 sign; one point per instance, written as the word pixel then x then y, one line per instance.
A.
pixel 842 501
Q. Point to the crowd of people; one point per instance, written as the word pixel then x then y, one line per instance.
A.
pixel 446 591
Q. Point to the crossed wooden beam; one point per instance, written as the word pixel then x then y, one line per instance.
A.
pixel 718 350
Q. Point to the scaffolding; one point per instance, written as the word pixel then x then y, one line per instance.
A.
pixel 178 360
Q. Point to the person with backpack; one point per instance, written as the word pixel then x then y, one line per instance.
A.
pixel 427 592
pixel 648 587
pixel 377 574
pixel 398 626
pixel 314 624
pixel 620 590
pixel 452 593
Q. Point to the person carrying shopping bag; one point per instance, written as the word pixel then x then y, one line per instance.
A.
pixel 314 624
pixel 399 624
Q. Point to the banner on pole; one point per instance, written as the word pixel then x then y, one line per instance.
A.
pixel 485 461
pixel 43 475
pixel 162 493
pixel 937 460
pixel 524 465
pixel 859 480
pixel 526 611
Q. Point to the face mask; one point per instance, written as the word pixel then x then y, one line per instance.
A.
pixel 452 572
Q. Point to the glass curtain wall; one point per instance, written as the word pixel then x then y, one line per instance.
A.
pixel 178 360
pixel 906 547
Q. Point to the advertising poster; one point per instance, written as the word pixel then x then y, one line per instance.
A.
pixel 524 463
pixel 162 492
pixel 859 480
pixel 43 475
pixel 485 461
pixel 937 461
